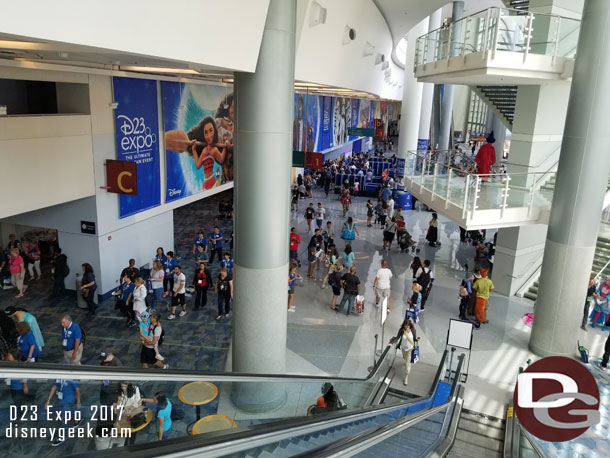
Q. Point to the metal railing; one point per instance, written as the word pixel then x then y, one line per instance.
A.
pixel 501 29
pixel 450 177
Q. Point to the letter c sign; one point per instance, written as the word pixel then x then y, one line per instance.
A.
pixel 121 177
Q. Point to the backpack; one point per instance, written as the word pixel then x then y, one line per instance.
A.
pixel 151 331
pixel 424 278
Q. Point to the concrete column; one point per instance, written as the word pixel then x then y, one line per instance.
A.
pixel 412 95
pixel 445 141
pixel 535 145
pixel 264 105
pixel 582 177
pixel 434 22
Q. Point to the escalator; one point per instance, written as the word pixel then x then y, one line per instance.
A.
pixel 378 421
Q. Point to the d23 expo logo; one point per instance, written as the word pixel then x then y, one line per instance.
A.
pixel 557 399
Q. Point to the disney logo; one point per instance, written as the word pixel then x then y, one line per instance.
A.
pixel 175 192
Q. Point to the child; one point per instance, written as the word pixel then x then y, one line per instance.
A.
pixel 144 330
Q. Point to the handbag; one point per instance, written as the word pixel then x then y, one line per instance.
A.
pixel 415 354
pixel 84 293
pixel 138 420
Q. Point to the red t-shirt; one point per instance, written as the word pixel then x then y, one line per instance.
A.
pixel 15 263
pixel 295 239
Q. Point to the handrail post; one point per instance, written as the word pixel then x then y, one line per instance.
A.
pixel 477 188
pixel 466 34
pixel 505 197
pixel 424 60
pixel 496 33
pixel 485 40
pixel 423 169
pixel 532 190
pixel 530 19
pixel 448 188
pixel 414 166
pixel 450 41
pixel 434 176
pixel 466 189
pixel 556 50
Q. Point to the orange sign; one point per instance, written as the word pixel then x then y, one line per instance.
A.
pixel 122 177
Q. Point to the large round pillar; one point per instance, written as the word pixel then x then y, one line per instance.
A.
pixel 434 22
pixel 445 141
pixel 264 107
pixel 412 95
pixel 582 178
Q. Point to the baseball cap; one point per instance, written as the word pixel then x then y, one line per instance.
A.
pixel 10 310
pixel 103 355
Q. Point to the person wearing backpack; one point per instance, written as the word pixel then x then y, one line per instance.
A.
pixel 155 338
pixel 465 296
pixel 309 214
pixel 424 278
pixel 334 280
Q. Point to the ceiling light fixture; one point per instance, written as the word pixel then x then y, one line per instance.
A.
pixel 136 68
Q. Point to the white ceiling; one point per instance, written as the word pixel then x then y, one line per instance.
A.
pixel 402 15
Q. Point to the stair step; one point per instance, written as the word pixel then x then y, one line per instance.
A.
pixel 463 449
pixel 480 440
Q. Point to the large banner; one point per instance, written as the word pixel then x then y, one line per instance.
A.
pixel 342 110
pixel 198 137
pixel 137 134
pixel 314 121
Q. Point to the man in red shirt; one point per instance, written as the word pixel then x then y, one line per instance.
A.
pixel 295 239
pixel 486 157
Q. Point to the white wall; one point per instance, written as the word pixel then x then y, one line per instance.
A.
pixel 321 56
pixel 45 160
pixel 225 34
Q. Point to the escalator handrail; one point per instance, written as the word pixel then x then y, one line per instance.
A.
pixel 61 371
pixel 248 437
pixel 537 449
pixel 351 445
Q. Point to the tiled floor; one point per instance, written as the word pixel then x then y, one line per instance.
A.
pixel 320 341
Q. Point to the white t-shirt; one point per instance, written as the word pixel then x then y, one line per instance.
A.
pixel 383 278
pixel 320 213
pixel 133 401
pixel 179 283
pixel 156 333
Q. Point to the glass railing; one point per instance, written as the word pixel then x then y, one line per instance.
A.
pixel 100 407
pixel 451 180
pixel 501 29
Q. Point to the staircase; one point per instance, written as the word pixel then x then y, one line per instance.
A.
pixel 521 5
pixel 501 99
pixel 602 256
pixel 478 436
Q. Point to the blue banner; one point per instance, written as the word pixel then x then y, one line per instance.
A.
pixel 326 123
pixel 422 144
pixel 137 134
pixel 198 123
pixel 314 115
pixel 355 112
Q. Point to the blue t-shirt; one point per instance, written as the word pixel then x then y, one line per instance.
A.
pixel 25 342
pixel 169 267
pixel 228 264
pixel 387 192
pixel 217 238
pixel 203 242
pixel 293 278
pixel 17 384
pixel 161 258
pixel 166 414
pixel 70 335
pixel 67 388
pixel 126 290
pixel 144 326
pixel 348 260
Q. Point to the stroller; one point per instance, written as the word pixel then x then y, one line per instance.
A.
pixel 405 242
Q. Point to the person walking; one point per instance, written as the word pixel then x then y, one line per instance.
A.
pixel 381 284
pixel 295 240
pixel 139 297
pixel 227 262
pixel 71 343
pixel 224 288
pixel 369 212
pixel 125 301
pixel 20 315
pixel 131 271
pixel 88 287
pixel 179 296
pixel 351 288
pixel 465 296
pixel 17 270
pixel 201 255
pixel 163 414
pixel 33 253
pixel 200 241
pixel 59 271
pixel 425 277
pixel 432 234
pixel 350 231
pixel 333 257
pixel 486 157
pixel 292 278
pixel 407 345
pixel 320 214
pixel 328 235
pixel 348 257
pixel 388 234
pixel 26 343
pixel 201 281
pixel 346 201
pixel 168 279
pixel 334 280
pixel 482 287
pixel 309 215
pixel 68 401
pixel 313 251
pixel 157 275
pixel 216 245
pixel 591 297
